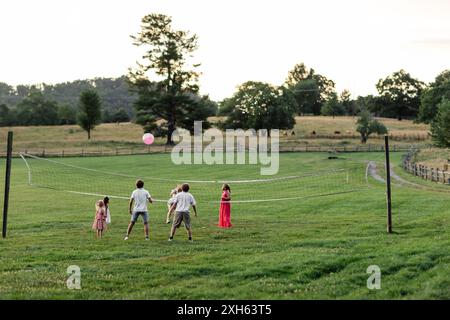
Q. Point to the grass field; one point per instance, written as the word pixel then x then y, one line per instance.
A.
pixel 299 249
pixel 127 136
pixel 327 125
pixel 433 158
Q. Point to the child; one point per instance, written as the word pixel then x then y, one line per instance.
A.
pixel 140 197
pixel 173 194
pixel 182 203
pixel 225 208
pixel 108 214
pixel 100 218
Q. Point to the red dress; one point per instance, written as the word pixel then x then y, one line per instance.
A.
pixel 225 211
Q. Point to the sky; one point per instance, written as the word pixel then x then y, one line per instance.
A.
pixel 352 42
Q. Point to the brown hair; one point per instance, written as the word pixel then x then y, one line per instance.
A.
pixel 185 187
pixel 139 184
pixel 226 187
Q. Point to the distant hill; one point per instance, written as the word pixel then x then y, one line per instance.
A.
pixel 114 93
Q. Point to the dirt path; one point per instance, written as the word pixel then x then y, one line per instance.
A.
pixel 374 174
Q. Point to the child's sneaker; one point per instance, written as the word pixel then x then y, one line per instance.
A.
pixel 170 239
pixel 147 238
pixel 126 238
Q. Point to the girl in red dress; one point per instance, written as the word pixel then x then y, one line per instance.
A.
pixel 225 208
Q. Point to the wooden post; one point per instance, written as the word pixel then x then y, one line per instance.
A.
pixel 388 185
pixel 7 183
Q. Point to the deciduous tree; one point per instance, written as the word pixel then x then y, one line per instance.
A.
pixel 90 111
pixel 433 96
pixel 311 90
pixel 258 105
pixel 440 127
pixel 367 125
pixel 401 92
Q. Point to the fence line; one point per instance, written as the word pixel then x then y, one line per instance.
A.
pixel 396 137
pixel 167 149
pixel 426 173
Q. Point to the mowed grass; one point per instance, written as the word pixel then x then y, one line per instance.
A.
pixel 316 248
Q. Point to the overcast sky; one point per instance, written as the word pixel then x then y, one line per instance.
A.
pixel 353 42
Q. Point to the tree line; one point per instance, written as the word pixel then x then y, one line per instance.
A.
pixel 400 96
pixel 58 104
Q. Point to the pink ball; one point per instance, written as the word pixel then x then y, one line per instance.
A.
pixel 148 138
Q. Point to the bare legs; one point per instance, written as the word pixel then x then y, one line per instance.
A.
pixel 146 229
pixel 174 229
pixel 168 214
pixel 131 225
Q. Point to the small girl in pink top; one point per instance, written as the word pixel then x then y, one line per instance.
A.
pixel 100 218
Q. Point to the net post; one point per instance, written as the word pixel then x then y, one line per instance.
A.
pixel 388 185
pixel 7 183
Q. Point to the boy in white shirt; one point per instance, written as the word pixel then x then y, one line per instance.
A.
pixel 139 197
pixel 181 204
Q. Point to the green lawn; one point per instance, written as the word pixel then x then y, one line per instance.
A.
pixel 310 248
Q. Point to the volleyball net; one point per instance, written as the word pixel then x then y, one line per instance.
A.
pixel 58 175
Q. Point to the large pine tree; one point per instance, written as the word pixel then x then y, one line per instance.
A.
pixel 172 94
